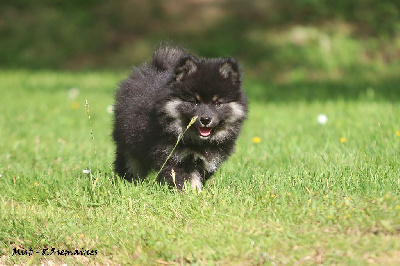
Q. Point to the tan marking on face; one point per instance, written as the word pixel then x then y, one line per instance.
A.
pixel 198 97
pixel 238 112
pixel 171 110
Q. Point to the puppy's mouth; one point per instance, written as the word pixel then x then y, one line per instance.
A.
pixel 205 131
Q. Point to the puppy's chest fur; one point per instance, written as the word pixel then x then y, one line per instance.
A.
pixel 206 160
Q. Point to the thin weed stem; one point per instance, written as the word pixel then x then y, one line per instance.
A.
pixel 94 143
pixel 177 141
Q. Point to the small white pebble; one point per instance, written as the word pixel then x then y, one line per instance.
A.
pixel 86 171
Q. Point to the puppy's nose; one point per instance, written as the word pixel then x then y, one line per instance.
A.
pixel 205 120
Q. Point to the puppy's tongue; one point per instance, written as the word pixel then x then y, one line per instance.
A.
pixel 205 131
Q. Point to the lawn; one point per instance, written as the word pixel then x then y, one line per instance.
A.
pixel 295 191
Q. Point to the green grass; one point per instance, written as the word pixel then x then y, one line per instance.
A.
pixel 300 195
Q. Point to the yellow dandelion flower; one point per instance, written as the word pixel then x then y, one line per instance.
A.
pixel 74 105
pixel 35 184
pixel 343 140
pixel 398 207
pixel 256 140
pixel 398 133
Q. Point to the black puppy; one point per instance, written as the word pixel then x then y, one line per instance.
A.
pixel 157 102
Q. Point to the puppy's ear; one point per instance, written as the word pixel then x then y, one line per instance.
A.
pixel 186 66
pixel 229 68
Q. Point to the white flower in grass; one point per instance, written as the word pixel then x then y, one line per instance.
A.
pixel 110 109
pixel 322 119
pixel 86 171
pixel 73 93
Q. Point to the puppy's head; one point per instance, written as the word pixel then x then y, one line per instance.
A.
pixel 209 89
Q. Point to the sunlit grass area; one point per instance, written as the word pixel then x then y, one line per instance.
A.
pixel 296 189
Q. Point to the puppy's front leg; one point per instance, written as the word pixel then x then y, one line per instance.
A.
pixel 176 177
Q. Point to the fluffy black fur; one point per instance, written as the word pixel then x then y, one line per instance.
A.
pixel 156 103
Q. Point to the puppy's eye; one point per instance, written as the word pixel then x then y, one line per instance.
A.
pixel 190 99
pixel 193 101
pixel 217 103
